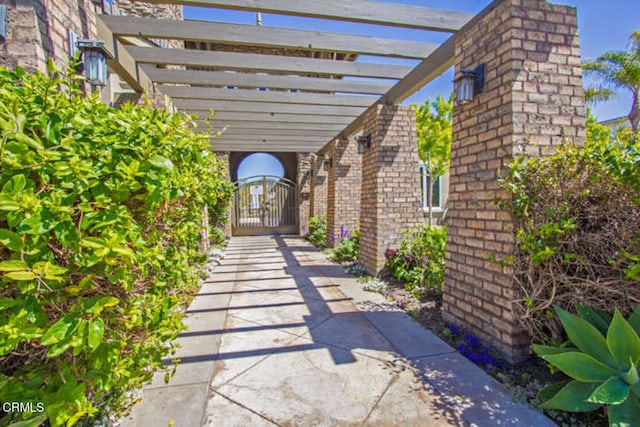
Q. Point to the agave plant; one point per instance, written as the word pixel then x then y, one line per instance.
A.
pixel 601 358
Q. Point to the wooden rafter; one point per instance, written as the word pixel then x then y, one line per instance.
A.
pixel 368 12
pixel 251 35
pixel 221 78
pixel 259 96
pixel 271 117
pixel 265 107
pixel 252 61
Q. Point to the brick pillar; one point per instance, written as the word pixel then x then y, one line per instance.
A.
pixel 224 157
pixel 533 92
pixel 343 189
pixel 304 189
pixel 37 30
pixel 390 183
pixel 318 197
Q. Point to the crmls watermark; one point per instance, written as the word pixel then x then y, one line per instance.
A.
pixel 22 407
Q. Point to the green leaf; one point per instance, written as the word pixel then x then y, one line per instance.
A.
pixel 586 337
pixel 161 162
pixel 11 240
pixel 623 342
pixel 14 265
pixel 544 350
pixel 36 421
pixel 612 391
pixel 581 367
pixel 97 304
pixel 592 316
pixel 15 185
pixel 634 320
pixel 60 330
pixel 21 275
pixel 626 414
pixel 573 397
pixel 93 242
pixel 96 332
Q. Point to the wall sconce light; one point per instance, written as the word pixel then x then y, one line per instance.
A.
pixel 3 22
pixel 364 143
pixel 327 164
pixel 307 174
pixel 470 83
pixel 94 61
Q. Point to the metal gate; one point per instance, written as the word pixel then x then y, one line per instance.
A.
pixel 264 205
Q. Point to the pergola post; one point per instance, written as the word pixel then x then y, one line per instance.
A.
pixel 390 197
pixel 318 197
pixel 343 189
pixel 303 191
pixel 532 93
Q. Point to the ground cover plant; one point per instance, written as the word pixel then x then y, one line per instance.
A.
pixel 100 213
pixel 317 233
pixel 346 251
pixel 419 262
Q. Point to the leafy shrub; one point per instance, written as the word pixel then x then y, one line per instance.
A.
pixel 347 249
pixel 99 244
pixel 577 216
pixel 317 234
pixel 601 358
pixel 419 262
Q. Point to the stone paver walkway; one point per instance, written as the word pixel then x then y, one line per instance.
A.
pixel 281 336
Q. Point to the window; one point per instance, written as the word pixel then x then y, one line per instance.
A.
pixel 437 199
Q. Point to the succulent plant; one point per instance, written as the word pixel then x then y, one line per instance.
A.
pixel 601 358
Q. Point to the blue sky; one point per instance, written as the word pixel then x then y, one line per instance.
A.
pixel 603 26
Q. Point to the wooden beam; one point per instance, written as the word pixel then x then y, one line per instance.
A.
pixel 252 80
pixel 264 125
pixel 368 12
pixel 282 140
pixel 179 92
pixel 121 61
pixel 264 107
pixel 253 61
pixel 257 133
pixel 437 63
pixel 251 35
pixel 273 117
pixel 270 147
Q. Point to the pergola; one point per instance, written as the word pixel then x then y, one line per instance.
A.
pixel 280 89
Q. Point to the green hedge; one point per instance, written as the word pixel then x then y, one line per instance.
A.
pixel 99 244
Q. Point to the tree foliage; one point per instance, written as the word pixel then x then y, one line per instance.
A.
pixel 100 210
pixel 618 70
pixel 434 132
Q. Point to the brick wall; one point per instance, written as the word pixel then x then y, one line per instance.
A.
pixel 152 10
pixel 533 91
pixel 390 197
pixel 304 190
pixel 38 30
pixel 318 196
pixel 343 189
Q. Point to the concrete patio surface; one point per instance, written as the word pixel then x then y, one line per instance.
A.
pixel 278 335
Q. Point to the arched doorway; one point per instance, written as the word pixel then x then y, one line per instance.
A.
pixel 264 200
